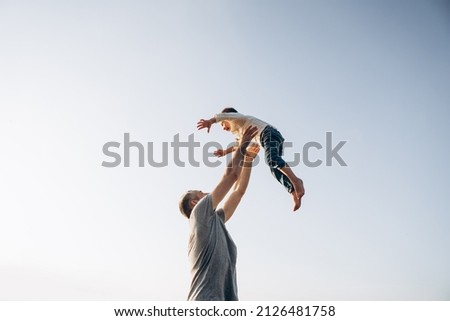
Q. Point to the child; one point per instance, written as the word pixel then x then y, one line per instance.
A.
pixel 269 138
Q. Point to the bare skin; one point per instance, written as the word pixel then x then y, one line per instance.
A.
pixel 299 189
pixel 231 173
pixel 240 186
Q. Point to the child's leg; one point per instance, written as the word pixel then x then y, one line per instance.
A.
pixel 272 142
pixel 285 181
pixel 297 182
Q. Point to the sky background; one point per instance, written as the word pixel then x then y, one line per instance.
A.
pixel 75 75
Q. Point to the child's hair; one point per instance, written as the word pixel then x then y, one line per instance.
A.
pixel 229 110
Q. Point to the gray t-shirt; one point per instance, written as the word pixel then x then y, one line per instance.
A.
pixel 212 255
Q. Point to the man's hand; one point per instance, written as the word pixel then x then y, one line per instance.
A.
pixel 249 133
pixel 251 152
pixel 204 123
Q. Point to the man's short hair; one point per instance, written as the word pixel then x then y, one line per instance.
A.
pixel 184 204
pixel 229 110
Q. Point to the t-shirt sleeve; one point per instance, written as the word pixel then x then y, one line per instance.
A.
pixel 229 116
pixel 202 217
pixel 221 214
pixel 203 210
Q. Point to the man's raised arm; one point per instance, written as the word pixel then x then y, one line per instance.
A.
pixel 233 168
pixel 241 184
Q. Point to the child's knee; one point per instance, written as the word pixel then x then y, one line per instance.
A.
pixel 276 162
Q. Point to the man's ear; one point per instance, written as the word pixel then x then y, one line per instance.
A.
pixel 193 203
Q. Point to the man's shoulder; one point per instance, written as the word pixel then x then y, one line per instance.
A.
pixel 204 209
pixel 204 205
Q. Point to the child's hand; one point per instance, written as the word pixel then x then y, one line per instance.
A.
pixel 204 123
pixel 219 153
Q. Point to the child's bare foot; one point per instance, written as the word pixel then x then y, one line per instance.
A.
pixel 298 187
pixel 297 201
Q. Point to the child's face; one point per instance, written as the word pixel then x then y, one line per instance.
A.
pixel 226 125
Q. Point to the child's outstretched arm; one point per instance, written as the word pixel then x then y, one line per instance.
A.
pixel 223 152
pixel 206 123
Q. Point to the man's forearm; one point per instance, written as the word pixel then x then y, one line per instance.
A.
pixel 235 165
pixel 244 177
pixel 238 157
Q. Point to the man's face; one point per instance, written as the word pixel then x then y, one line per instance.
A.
pixel 225 125
pixel 198 195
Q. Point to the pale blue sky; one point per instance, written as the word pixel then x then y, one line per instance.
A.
pixel 78 74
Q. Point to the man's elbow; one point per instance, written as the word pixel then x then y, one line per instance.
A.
pixel 232 174
pixel 239 193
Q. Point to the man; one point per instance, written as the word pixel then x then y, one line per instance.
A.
pixel 212 252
